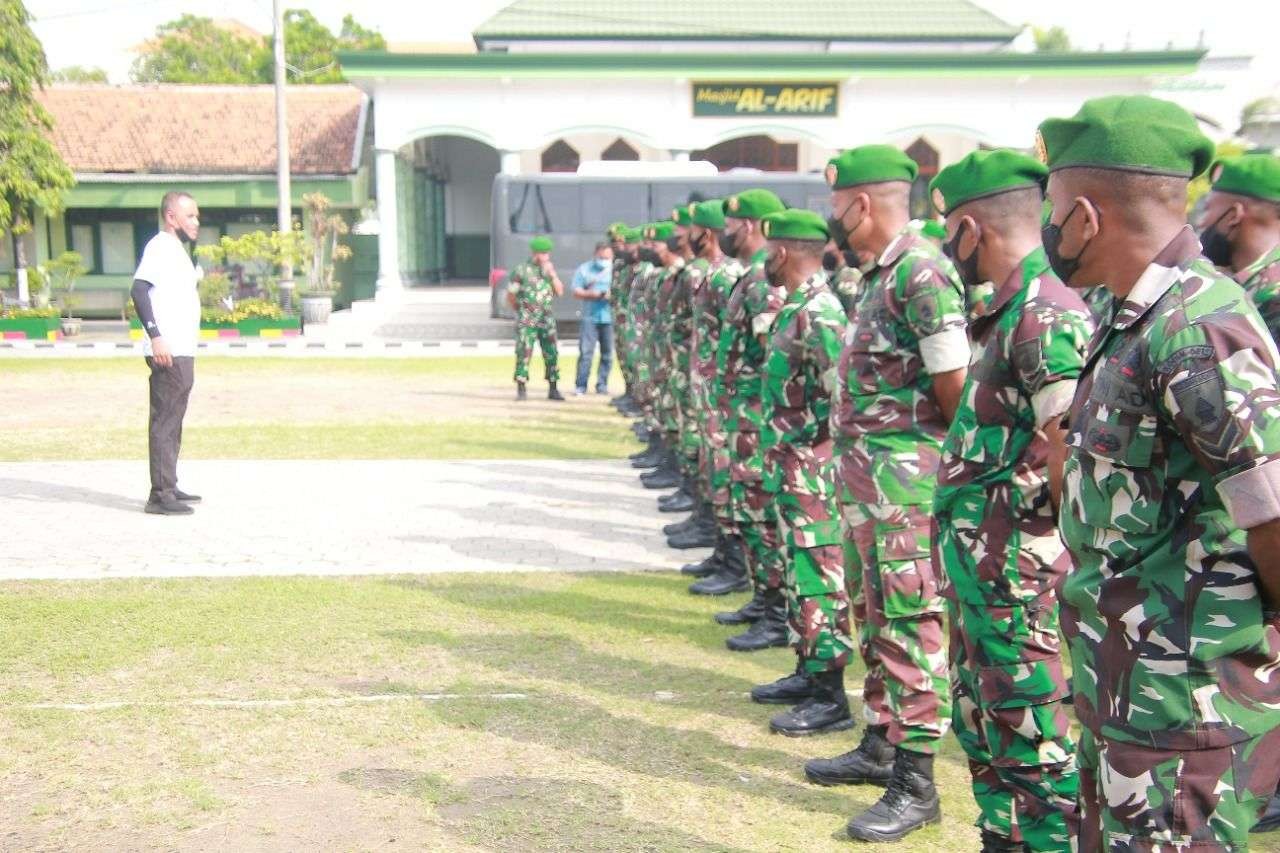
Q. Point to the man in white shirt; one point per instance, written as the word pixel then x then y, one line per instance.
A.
pixel 164 293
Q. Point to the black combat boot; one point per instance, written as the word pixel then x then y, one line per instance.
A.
pixel 825 711
pixel 695 537
pixel 682 500
pixel 522 393
pixel 870 764
pixel 665 476
pixel 732 576
pixel 648 457
pixel 684 524
pixel 909 802
pixel 1270 819
pixel 553 394
pixel 787 690
pixel 770 631
pixel 708 565
pixel 746 614
pixel 992 843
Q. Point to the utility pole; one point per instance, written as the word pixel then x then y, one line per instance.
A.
pixel 284 203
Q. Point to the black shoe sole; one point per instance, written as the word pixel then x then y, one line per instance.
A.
pixel 733 620
pixel 790 700
pixel 889 837
pixel 840 726
pixel 674 509
pixel 779 644
pixel 743 587
pixel 833 782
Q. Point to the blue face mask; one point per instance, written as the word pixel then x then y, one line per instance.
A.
pixel 597 264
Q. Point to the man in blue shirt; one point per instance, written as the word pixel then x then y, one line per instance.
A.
pixel 591 285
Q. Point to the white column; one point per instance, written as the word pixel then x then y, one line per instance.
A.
pixel 510 162
pixel 389 281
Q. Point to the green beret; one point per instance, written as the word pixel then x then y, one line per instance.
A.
pixel 870 164
pixel 661 231
pixel 795 224
pixel 1132 133
pixel 708 214
pixel 632 235
pixel 680 215
pixel 985 173
pixel 541 244
pixel 1256 175
pixel 752 204
pixel 616 230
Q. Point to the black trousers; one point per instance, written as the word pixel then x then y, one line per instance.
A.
pixel 170 390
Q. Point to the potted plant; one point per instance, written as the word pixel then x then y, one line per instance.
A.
pixel 60 276
pixel 322 252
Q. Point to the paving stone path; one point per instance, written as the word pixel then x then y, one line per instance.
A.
pixel 84 520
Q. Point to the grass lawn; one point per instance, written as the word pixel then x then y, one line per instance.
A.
pixel 274 408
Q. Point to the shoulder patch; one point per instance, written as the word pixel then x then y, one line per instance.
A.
pixel 925 307
pixel 1193 353
pixel 1028 356
pixel 1202 399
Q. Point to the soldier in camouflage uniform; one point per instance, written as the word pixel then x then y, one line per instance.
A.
pixel 711 292
pixel 620 237
pixel 1169 502
pixel 1243 236
pixel 531 292
pixel 750 309
pixel 900 376
pixel 803 347
pixel 997 535
pixel 658 331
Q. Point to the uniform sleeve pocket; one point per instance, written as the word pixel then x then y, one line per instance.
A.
pixel 905 571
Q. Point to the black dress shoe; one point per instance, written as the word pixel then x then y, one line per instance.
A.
pixel 827 710
pixel 909 802
pixel 787 690
pixel 870 764
pixel 767 632
pixel 1270 819
pixel 160 505
pixel 186 498
pixel 744 615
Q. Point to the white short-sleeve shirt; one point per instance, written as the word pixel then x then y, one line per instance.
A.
pixel 174 299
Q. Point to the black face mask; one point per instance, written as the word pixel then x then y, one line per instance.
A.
pixel 966 267
pixel 697 244
pixel 673 244
pixel 729 242
pixel 832 260
pixel 1215 245
pixel 647 256
pixel 840 234
pixel 772 269
pixel 1051 235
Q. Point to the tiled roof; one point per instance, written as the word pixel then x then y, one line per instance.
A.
pixel 822 20
pixel 200 130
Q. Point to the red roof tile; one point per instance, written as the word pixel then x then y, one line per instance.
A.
pixel 197 130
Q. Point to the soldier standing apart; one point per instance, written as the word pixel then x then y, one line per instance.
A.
pixel 900 376
pixel 1171 496
pixel 803 350
pixel 168 305
pixel 995 506
pixel 531 292
pixel 1243 236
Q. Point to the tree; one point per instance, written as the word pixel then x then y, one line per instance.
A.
pixel 197 50
pixel 1052 40
pixel 192 49
pixel 33 176
pixel 78 74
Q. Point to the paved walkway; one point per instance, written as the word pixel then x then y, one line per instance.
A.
pixel 79 520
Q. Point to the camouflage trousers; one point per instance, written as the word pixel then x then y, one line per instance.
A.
pixel 1136 799
pixel 893 587
pixel 1011 722
pixel 813 577
pixel 544 337
pixel 753 512
pixel 713 469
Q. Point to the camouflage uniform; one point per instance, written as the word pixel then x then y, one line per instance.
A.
pixel 1099 302
pixel 1175 437
pixel 997 539
pixel 661 353
pixel 1261 280
pixel 847 286
pixel 799 370
pixel 888 432
pixel 638 350
pixel 708 390
pixel 620 302
pixel 535 322
pixel 749 314
pixel 680 341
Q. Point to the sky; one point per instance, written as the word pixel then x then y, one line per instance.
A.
pixel 101 32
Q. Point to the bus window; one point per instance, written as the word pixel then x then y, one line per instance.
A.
pixel 538 208
pixel 607 202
